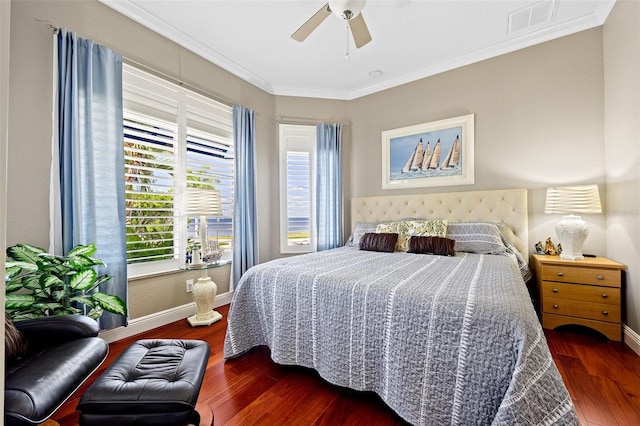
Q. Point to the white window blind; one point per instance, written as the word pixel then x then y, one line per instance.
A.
pixel 150 186
pixel 174 139
pixel 297 218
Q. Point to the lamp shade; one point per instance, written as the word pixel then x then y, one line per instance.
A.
pixel 203 202
pixel 583 199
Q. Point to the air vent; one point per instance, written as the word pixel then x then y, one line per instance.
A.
pixel 532 17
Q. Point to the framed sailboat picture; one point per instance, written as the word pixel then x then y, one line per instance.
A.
pixel 438 153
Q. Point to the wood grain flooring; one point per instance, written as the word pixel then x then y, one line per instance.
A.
pixel 603 378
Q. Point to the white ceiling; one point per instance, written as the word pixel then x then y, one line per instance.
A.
pixel 412 39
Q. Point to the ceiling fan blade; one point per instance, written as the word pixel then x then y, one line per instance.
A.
pixel 359 31
pixel 307 28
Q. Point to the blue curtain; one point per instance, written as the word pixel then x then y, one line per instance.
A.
pixel 329 186
pixel 245 223
pixel 91 155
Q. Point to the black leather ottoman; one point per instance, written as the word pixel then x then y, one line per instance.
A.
pixel 153 382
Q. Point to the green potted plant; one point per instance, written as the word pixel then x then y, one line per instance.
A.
pixel 39 284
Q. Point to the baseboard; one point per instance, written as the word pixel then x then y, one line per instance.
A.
pixel 631 338
pixel 158 319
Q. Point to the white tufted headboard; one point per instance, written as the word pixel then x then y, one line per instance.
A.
pixel 508 206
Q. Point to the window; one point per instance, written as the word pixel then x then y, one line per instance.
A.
pixel 174 139
pixel 297 196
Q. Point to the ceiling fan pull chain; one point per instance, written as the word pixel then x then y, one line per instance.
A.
pixel 347 56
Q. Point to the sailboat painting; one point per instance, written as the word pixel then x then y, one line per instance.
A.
pixel 431 154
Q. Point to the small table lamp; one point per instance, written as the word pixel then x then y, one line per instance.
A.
pixel 571 230
pixel 203 203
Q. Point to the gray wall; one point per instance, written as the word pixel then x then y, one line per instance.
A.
pixel 538 123
pixel 622 141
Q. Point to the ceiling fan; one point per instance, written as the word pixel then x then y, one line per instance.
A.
pixel 348 10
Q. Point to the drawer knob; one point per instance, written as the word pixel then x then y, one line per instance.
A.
pixel 605 313
pixel 561 274
pixel 605 295
pixel 555 306
pixel 600 277
pixel 555 290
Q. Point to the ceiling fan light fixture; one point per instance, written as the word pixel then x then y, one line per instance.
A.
pixel 346 9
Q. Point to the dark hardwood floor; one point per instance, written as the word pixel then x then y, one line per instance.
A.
pixel 603 379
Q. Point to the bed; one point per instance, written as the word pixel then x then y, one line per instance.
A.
pixel 441 339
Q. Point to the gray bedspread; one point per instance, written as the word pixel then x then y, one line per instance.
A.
pixel 442 340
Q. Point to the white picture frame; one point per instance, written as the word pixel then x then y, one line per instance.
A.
pixel 423 155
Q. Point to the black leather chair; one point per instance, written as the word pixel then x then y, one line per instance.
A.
pixel 63 351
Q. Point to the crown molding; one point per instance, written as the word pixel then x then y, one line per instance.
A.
pixel 141 16
pixel 522 41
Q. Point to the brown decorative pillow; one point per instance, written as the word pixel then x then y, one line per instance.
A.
pixel 378 242
pixel 15 345
pixel 431 245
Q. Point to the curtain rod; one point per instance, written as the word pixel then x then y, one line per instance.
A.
pixel 48 25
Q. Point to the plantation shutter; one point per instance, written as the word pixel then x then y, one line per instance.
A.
pixel 209 159
pixel 297 153
pixel 298 197
pixel 150 187
pixel 174 139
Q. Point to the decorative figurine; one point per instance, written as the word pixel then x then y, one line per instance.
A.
pixel 559 249
pixel 539 249
pixel 550 248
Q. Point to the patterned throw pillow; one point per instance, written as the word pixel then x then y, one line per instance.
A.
pixel 401 228
pixel 406 228
pixel 15 344
pixel 476 237
pixel 428 228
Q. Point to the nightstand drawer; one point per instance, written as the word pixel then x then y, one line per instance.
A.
pixel 560 273
pixel 584 293
pixel 606 277
pixel 595 311
pixel 569 274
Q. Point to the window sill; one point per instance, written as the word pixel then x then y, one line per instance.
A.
pixel 171 271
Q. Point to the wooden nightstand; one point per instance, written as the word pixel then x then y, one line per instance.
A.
pixel 585 292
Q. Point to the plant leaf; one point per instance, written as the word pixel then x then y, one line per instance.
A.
pixel 10 272
pixel 24 253
pixel 24 315
pixel 49 280
pixel 110 303
pixel 42 295
pixel 32 282
pixel 59 295
pixel 85 299
pixel 84 262
pixel 22 265
pixel 13 285
pixel 13 301
pixel 95 313
pixel 51 306
pixel 54 268
pixel 103 279
pixel 83 280
pixel 87 250
pixel 51 258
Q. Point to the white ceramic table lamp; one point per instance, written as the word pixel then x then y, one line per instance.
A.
pixel 202 203
pixel 571 230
